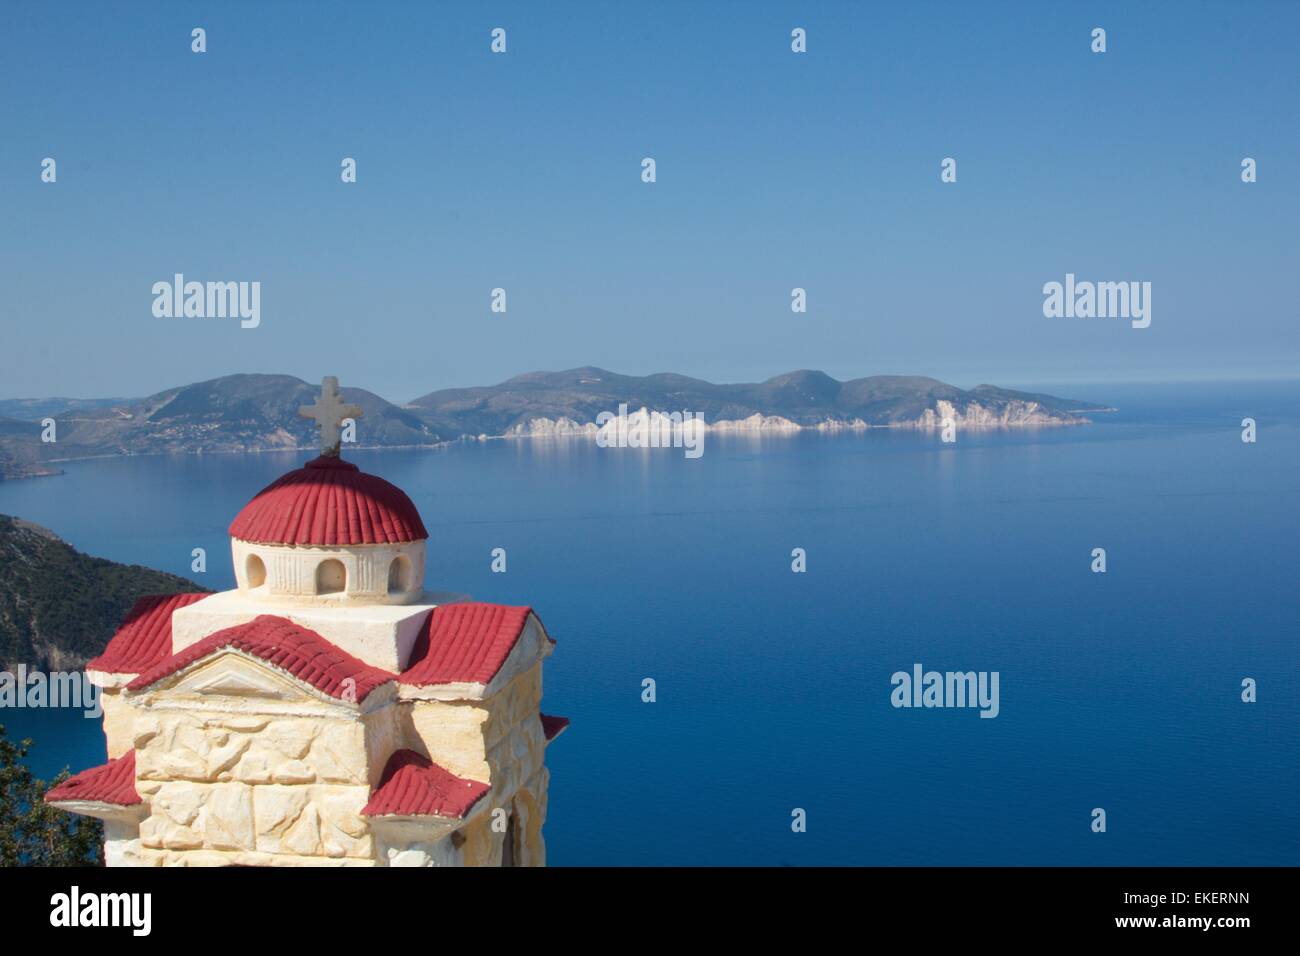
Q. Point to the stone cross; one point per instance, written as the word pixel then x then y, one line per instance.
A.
pixel 329 413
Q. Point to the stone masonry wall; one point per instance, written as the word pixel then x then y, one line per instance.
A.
pixel 500 741
pixel 228 787
pixel 236 788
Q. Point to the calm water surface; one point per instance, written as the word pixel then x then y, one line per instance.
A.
pixel 1119 690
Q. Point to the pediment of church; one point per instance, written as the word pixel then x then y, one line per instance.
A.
pixel 241 681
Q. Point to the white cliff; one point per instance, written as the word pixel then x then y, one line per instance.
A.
pixel 1015 414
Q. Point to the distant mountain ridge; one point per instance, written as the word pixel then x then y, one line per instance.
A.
pixel 256 412
pixel 805 398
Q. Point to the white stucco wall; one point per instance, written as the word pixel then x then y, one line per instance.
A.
pixel 291 573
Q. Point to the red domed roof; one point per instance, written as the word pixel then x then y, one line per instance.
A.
pixel 329 502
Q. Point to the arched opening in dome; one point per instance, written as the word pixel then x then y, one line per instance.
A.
pixel 254 571
pixel 399 575
pixel 331 577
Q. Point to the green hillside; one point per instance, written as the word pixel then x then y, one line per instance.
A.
pixel 59 607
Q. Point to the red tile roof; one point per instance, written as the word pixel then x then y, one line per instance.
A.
pixel 113 782
pixel 464 643
pixel 552 726
pixel 412 785
pixel 280 642
pixel 329 502
pixel 145 637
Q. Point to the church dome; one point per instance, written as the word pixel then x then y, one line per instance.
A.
pixel 329 503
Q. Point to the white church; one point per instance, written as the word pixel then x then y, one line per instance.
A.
pixel 328 710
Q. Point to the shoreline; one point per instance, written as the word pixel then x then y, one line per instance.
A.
pixel 586 432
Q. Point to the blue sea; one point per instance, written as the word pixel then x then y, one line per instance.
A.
pixel 1119 690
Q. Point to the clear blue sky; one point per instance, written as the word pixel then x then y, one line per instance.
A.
pixel 775 170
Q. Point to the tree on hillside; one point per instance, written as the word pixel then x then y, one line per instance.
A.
pixel 32 833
